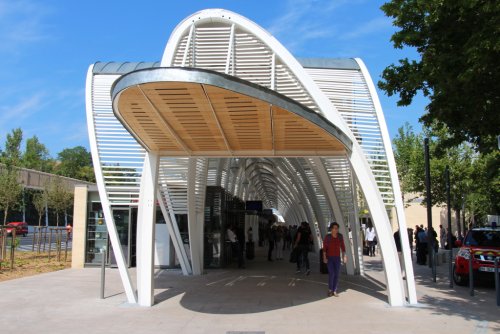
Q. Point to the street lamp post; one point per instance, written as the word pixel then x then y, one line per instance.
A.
pixel 430 237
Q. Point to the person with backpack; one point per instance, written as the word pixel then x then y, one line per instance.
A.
pixel 303 241
pixel 333 248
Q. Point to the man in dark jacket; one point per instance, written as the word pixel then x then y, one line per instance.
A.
pixel 303 241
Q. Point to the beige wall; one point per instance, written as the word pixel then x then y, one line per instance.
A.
pixel 79 226
pixel 416 214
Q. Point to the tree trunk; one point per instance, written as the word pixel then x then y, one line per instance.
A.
pixel 6 212
pixel 466 227
pixel 457 221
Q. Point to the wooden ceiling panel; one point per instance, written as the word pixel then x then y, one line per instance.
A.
pixel 293 133
pixel 186 109
pixel 245 121
pixel 137 112
pixel 197 119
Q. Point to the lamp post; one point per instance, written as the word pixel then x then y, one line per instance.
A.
pixel 448 203
pixel 430 237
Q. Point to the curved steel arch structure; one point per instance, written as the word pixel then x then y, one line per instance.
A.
pixel 219 66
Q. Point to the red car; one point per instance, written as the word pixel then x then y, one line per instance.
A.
pixel 21 228
pixel 483 244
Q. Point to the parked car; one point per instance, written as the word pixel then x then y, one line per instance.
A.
pixel 483 244
pixel 21 228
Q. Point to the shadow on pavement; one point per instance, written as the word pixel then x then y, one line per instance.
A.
pixel 262 286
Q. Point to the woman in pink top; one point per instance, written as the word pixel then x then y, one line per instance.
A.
pixel 333 246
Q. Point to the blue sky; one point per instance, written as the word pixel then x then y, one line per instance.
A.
pixel 46 47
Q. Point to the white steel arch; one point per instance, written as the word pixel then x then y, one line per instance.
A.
pixel 184 41
pixel 226 42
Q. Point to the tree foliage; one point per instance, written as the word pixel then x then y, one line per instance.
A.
pixel 474 177
pixel 458 70
pixel 36 156
pixel 40 202
pixel 10 191
pixel 75 162
pixel 409 156
pixel 59 197
pixel 12 154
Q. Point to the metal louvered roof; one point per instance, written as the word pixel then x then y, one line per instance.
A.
pixel 114 67
pixel 194 112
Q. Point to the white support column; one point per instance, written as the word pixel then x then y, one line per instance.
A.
pixel 299 197
pixel 146 230
pixel 356 228
pixel 173 231
pixel 332 198
pixel 105 203
pixel 194 227
pixel 186 50
pixel 408 265
pixel 380 218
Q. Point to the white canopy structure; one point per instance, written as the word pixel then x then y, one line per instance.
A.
pixel 229 106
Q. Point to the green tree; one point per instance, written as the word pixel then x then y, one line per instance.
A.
pixel 59 196
pixel 36 156
pixel 40 201
pixel 86 173
pixel 485 197
pixel 74 162
pixel 12 154
pixel 458 69
pixel 10 191
pixel 409 157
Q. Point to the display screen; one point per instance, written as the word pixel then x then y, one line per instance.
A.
pixel 253 205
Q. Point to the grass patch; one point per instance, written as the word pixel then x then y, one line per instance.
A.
pixel 30 263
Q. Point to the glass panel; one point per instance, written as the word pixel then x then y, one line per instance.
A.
pixel 122 222
pixel 97 234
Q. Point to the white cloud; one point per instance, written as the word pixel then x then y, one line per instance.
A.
pixel 22 110
pixel 305 20
pixel 369 28
pixel 22 23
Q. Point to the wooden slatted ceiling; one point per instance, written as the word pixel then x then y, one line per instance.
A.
pixel 191 119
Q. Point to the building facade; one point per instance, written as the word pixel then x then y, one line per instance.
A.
pixel 229 107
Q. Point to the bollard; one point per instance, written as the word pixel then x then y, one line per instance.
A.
pixel 434 264
pixel 471 275
pixel 103 271
pixel 497 283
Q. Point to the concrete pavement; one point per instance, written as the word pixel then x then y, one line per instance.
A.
pixel 266 297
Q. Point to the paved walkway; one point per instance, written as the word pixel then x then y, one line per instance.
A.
pixel 266 297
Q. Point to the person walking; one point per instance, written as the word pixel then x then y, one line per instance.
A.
pixel 270 238
pixel 333 248
pixel 421 246
pixel 279 243
pixel 442 236
pixel 235 245
pixel 370 239
pixel 397 241
pixel 302 241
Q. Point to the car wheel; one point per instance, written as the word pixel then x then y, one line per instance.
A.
pixel 459 279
